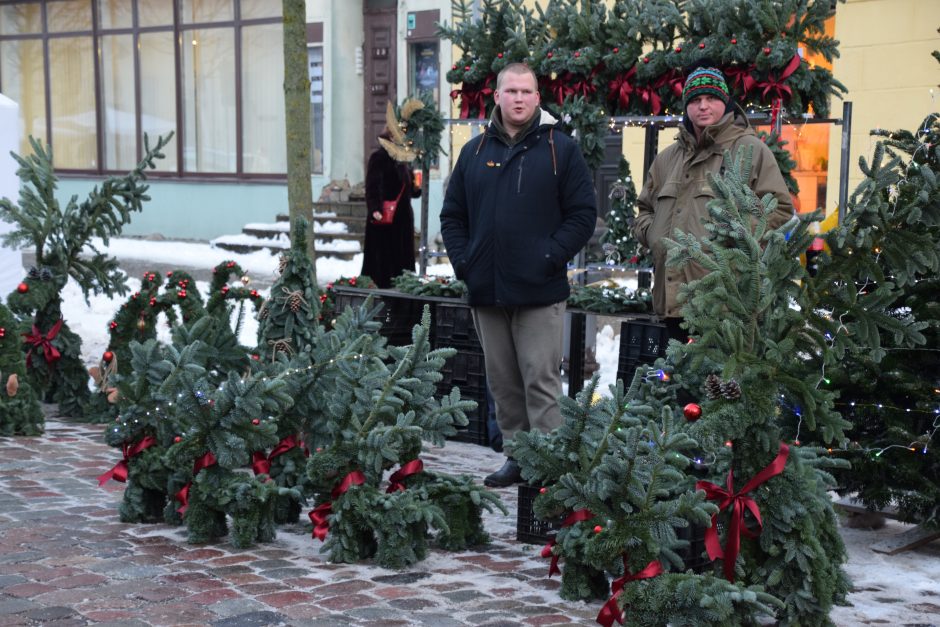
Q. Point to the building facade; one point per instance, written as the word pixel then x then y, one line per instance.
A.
pixel 91 77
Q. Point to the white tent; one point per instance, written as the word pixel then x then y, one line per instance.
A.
pixel 11 261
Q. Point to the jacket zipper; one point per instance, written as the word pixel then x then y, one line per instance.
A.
pixel 519 182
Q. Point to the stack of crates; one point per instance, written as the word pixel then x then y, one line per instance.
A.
pixel 641 342
pixel 530 529
pixel 400 316
pixel 453 327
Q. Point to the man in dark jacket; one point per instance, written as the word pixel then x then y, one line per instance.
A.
pixel 519 205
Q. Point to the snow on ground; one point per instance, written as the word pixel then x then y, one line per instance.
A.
pixel 902 589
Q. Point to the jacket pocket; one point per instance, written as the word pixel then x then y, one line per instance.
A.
pixel 519 175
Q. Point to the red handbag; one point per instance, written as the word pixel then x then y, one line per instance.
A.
pixel 388 209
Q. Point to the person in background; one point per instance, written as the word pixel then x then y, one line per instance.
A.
pixel 389 249
pixel 519 205
pixel 676 192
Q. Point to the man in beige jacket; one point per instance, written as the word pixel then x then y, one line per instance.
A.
pixel 676 191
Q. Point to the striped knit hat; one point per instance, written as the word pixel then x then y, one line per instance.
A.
pixel 705 80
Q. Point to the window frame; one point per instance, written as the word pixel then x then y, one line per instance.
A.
pixel 179 30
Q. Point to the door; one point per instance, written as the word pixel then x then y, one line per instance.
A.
pixel 379 49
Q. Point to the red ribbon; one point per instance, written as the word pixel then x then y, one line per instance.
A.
pixel 321 514
pixel 578 516
pixel 739 78
pixel 411 468
pixel 120 470
pixel 585 86
pixel 44 342
pixel 774 86
pixel 560 87
pixel 738 501
pixel 621 88
pixel 650 97
pixel 261 465
pixel 183 495
pixel 611 611
pixel 473 95
pixel 674 80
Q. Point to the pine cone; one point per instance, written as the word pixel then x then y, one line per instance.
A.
pixel 713 387
pixel 294 303
pixel 731 390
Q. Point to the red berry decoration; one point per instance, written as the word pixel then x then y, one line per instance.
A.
pixel 352 281
pixel 22 288
pixel 112 325
pixel 734 41
pixel 225 289
pixel 108 357
pixel 169 273
pixel 182 293
pixel 646 59
pixel 499 55
pixel 692 412
pixel 454 66
pixel 177 439
pixel 543 490
pixel 153 301
pixel 598 529
pixel 255 357
pixel 577 54
pixel 678 48
pixel 549 55
pixel 766 51
pixel 254 293
pixel 616 50
pixel 3 332
pixel 701 46
pixel 256 422
pixel 466 68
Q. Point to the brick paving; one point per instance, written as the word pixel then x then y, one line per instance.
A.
pixel 66 559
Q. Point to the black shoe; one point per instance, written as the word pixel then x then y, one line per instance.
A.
pixel 509 474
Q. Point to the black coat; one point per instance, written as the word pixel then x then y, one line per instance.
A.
pixel 514 216
pixel 389 248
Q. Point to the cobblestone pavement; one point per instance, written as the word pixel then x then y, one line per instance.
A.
pixel 65 559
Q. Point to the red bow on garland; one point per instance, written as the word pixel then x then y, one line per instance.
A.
pixel 611 611
pixel 578 516
pixel 739 79
pixel 775 86
pixel 38 341
pixel 120 470
pixel 474 95
pixel 621 88
pixel 183 495
pixel 737 501
pixel 584 86
pixel 320 517
pixel 411 468
pixel 261 465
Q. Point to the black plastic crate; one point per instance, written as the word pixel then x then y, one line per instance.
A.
pixel 453 326
pixel 342 300
pixel 694 557
pixel 466 369
pixel 528 527
pixel 400 316
pixel 640 343
pixel 475 432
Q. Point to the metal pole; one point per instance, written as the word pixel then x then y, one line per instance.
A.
pixel 844 161
pixel 423 246
pixel 650 148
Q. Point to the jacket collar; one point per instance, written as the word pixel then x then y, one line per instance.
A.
pixel 540 118
pixel 732 125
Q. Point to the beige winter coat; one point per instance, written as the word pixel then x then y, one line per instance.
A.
pixel 676 193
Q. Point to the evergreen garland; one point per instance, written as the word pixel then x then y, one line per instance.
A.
pixel 20 413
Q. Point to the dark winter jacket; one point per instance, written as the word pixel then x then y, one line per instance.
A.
pixel 676 195
pixel 515 214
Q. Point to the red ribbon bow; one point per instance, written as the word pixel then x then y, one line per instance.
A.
pixel 650 97
pixel 584 86
pixel 775 86
pixel 183 495
pixel 621 88
pixel 120 470
pixel 737 501
pixel 261 465
pixel 560 87
pixel 674 80
pixel 578 516
pixel 37 340
pixel 611 611
pixel 320 517
pixel 739 78
pixel 411 468
pixel 473 95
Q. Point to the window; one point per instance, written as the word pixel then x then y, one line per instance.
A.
pixel 315 67
pixel 93 76
pixel 424 66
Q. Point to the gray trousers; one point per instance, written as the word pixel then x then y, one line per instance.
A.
pixel 522 347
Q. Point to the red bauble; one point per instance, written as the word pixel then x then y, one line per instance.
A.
pixel 177 439
pixel 256 422
pixel 598 529
pixel 453 67
pixel 182 294
pixel 169 273
pixel 22 288
pixel 225 289
pixel 678 48
pixel 352 281
pixel 466 68
pixel 692 412
pixel 543 490
pixel 701 46
pixel 734 41
pixel 616 50
pixel 254 293
pixel 646 59
pixel 3 332
pixel 108 356
pixel 549 55
pixel 112 325
pixel 255 357
pixel 499 55
pixel 767 51
pixel 577 54
pixel 153 301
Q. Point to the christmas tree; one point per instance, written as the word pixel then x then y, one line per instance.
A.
pixel 890 393
pixel 374 407
pixel 61 237
pixel 20 413
pixel 620 246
